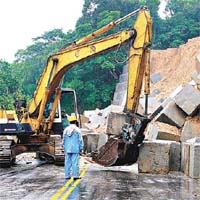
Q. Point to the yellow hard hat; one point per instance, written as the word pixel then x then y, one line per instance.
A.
pixel 72 118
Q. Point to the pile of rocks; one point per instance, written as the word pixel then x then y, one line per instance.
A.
pixel 172 139
pixel 96 127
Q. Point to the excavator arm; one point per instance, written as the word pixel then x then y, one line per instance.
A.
pixel 61 62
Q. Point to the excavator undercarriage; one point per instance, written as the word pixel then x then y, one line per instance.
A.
pixel 17 138
pixel 48 149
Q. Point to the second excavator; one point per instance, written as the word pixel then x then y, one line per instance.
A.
pixel 35 129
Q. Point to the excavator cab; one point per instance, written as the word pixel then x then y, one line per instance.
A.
pixel 66 111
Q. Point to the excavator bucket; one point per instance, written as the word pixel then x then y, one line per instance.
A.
pixel 120 151
pixel 116 153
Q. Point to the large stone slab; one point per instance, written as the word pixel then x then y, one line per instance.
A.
pixel 188 99
pixel 155 77
pixel 194 166
pixel 166 101
pixel 190 129
pixel 103 138
pixel 190 158
pixel 121 86
pixel 175 156
pixel 119 98
pixel 153 104
pixel 196 78
pixel 90 141
pixel 159 157
pixel 171 114
pixel 123 78
pixel 162 131
pixel 115 123
pixel 185 156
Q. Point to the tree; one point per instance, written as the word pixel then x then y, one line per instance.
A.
pixel 181 25
pixel 9 85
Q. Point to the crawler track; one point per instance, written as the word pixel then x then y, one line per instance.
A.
pixel 7 157
pixel 59 152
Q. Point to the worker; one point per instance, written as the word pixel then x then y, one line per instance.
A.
pixel 65 122
pixel 73 146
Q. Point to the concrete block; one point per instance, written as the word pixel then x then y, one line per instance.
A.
pixel 190 129
pixel 175 156
pixel 115 122
pixel 176 91
pixel 190 158
pixel 103 138
pixel 123 78
pixel 121 87
pixel 125 69
pixel 194 140
pixel 155 77
pixel 162 131
pixel 188 99
pixel 112 108
pixel 196 78
pixel 151 132
pixel 166 102
pixel 119 98
pixel 153 104
pixel 185 158
pixel 194 165
pixel 84 120
pixel 90 141
pixel 154 157
pixel 172 115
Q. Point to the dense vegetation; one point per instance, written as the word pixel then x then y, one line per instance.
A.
pixel 95 80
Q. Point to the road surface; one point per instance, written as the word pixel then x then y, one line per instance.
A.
pixel 33 180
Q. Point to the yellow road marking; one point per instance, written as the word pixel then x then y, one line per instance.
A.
pixel 63 188
pixel 69 191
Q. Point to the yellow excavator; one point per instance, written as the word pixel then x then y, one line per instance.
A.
pixel 37 126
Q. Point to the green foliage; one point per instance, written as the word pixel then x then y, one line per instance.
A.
pixel 181 24
pixel 9 85
pixel 95 80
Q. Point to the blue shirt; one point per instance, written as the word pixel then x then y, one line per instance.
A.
pixel 72 140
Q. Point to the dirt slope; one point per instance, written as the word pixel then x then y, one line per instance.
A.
pixel 176 66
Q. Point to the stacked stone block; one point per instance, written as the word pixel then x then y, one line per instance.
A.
pixel 190 158
pixel 159 157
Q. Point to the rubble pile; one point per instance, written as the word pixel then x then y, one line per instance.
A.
pixel 172 138
pixel 96 130
pixel 176 123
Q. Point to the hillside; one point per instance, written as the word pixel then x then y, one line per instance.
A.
pixel 175 65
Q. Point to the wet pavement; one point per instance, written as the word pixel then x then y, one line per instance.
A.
pixel 35 180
